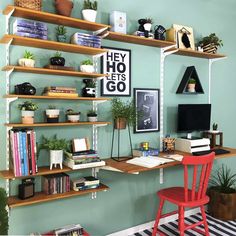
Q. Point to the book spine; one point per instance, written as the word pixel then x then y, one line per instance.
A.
pixel 60 88
pixel 35 151
pixel 29 152
pixel 22 154
pixel 25 153
pixel 16 154
pixel 12 151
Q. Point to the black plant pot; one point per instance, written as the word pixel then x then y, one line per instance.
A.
pixel 53 119
pixel 57 61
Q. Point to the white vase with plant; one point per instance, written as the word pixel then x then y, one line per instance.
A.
pixel 87 66
pixel 92 116
pixel 27 112
pixel 27 60
pixel 73 116
pixel 52 114
pixel 89 11
pixel 191 85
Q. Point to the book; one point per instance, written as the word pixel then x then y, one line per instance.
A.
pixel 74 166
pixel 24 146
pixel 61 94
pixel 60 88
pixel 150 152
pixel 80 188
pixel 85 181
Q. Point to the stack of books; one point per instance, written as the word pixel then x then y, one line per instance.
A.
pixel 145 153
pixel 57 183
pixel 30 29
pixel 88 182
pixel 23 152
pixel 60 91
pixel 86 40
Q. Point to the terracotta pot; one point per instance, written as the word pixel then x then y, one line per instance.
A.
pixel 64 7
pixel 27 117
pixel 120 123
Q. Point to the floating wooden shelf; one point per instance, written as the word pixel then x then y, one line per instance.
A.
pixel 53 18
pixel 51 45
pixel 55 97
pixel 36 70
pixel 41 197
pixel 138 40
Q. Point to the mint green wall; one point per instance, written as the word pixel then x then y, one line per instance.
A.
pixel 131 199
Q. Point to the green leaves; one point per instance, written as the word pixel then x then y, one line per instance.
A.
pixel 28 55
pixel 90 5
pixel 28 106
pixel 87 62
pixel 61 30
pixel 3 213
pixel 54 143
pixel 212 38
pixel 57 54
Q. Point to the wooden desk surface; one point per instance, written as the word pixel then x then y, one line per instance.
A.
pixel 122 166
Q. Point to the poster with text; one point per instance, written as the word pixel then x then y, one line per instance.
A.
pixel 116 63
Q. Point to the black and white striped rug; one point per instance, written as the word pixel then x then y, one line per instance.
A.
pixel 216 227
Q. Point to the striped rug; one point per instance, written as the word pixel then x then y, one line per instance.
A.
pixel 216 227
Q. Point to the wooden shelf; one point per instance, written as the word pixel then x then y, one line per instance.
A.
pixel 55 97
pixel 138 40
pixel 41 197
pixel 37 70
pixel 53 18
pixel 51 45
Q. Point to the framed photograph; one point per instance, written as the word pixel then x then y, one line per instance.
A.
pixel 116 63
pixel 147 103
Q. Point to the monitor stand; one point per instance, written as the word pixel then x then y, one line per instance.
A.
pixel 190 137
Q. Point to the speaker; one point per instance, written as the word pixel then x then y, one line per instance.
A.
pixel 26 188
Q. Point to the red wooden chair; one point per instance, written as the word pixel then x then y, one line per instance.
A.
pixel 188 197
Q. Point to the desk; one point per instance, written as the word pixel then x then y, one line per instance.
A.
pixel 133 169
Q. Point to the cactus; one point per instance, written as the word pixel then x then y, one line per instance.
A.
pixel 90 5
pixel 215 126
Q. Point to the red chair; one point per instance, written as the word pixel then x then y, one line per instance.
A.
pixel 185 197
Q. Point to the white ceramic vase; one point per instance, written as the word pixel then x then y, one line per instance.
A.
pixel 73 118
pixel 26 62
pixel 89 15
pixel 87 68
pixel 147 26
pixel 27 117
pixel 56 157
pixel 92 118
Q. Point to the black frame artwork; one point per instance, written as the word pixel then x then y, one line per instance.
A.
pixel 117 64
pixel 147 103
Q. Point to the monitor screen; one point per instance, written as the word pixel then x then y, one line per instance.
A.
pixel 194 117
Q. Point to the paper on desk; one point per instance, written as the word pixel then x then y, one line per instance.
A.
pixel 176 157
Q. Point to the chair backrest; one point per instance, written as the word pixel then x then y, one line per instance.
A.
pixel 202 166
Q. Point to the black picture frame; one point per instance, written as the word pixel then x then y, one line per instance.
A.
pixel 118 83
pixel 147 103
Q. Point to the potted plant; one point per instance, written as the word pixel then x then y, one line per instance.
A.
pixel 3 213
pixel 90 88
pixel 148 24
pixel 191 85
pixel 27 60
pixel 27 111
pixel 52 114
pixel 64 7
pixel 87 66
pixel 57 60
pixel 56 147
pixel 72 116
pixel 61 33
pixel 89 11
pixel 222 193
pixel 92 116
pixel 215 128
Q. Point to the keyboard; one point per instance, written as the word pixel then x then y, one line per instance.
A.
pixel 218 151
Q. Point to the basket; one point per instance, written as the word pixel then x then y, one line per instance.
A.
pixel 31 4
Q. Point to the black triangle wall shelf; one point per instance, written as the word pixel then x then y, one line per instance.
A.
pixel 190 73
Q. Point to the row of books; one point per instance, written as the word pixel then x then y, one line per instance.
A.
pixel 145 153
pixel 23 152
pixel 60 91
pixel 57 183
pixel 86 40
pixel 88 182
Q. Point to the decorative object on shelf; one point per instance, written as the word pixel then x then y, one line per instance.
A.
pixel 57 59
pixel 64 7
pixel 92 116
pixel 80 144
pixel 168 144
pixel 116 63
pixel 52 114
pixel 213 138
pixel 87 182
pixel 60 91
pixel 215 128
pixel 190 75
pixel 72 116
pixel 90 88
pixel 144 29
pixel 159 32
pixel 56 148
pixel 87 40
pixel 191 85
pixel 25 89
pixel 27 60
pixel 148 24
pixel 144 146
pixel 171 35
pixel 27 111
pixel 87 66
pixel 147 104
pixel 61 33
pixel 210 43
pixel 26 189
pixel 185 38
pixel 118 22
pixel 89 11
pixel 222 193
pixel 31 4
pixel 3 213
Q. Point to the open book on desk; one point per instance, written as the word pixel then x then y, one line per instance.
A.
pixel 149 161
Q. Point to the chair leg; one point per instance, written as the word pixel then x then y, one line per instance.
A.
pixel 158 216
pixel 181 221
pixel 204 220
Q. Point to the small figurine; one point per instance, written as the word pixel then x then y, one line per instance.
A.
pixel 90 88
pixel 168 144
pixel 159 31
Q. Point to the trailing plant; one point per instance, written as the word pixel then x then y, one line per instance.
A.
pixel 28 55
pixel 54 143
pixel 215 126
pixel 4 225
pixel 92 113
pixel 223 180
pixel 91 83
pixel 72 112
pixel 192 81
pixel 57 54
pixel 149 20
pixel 61 30
pixel 212 38
pixel 28 106
pixel 90 5
pixel 87 62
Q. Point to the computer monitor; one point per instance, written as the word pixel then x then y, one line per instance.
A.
pixel 193 117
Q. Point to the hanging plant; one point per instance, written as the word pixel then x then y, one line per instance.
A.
pixel 3 213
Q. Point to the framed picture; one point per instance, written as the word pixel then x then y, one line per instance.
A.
pixel 116 63
pixel 147 103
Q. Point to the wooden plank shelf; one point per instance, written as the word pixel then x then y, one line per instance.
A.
pixel 53 18
pixel 41 197
pixel 82 123
pixel 55 97
pixel 37 70
pixel 138 40
pixel 51 45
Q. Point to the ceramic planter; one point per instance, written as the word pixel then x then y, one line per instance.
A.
pixel 26 62
pixel 52 115
pixel 87 68
pixel 64 7
pixel 73 118
pixel 92 118
pixel 147 26
pixel 61 38
pixel 27 117
pixel 56 157
pixel 120 123
pixel 57 61
pixel 191 88
pixel 89 15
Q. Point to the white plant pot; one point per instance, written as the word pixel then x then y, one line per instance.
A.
pixel 27 117
pixel 147 26
pixel 89 15
pixel 73 118
pixel 52 112
pixel 87 68
pixel 56 157
pixel 26 62
pixel 92 118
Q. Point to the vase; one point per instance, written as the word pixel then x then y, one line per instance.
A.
pixel 52 115
pixel 27 117
pixel 57 61
pixel 89 15
pixel 64 7
pixel 61 38
pixel 26 62
pixel 120 123
pixel 191 88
